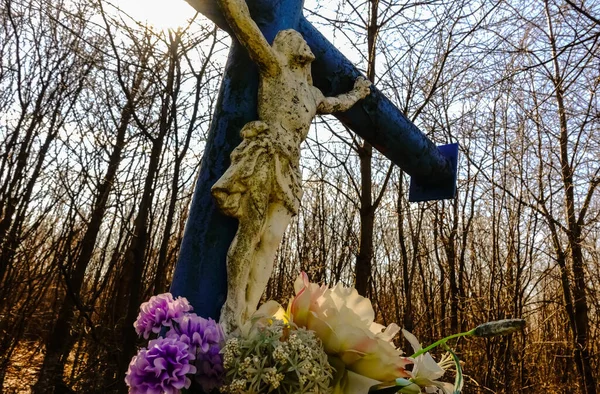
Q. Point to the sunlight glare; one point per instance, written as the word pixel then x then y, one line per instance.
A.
pixel 160 14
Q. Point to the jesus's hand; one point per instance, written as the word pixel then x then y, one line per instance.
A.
pixel 362 87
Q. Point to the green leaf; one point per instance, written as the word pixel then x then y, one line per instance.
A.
pixel 458 381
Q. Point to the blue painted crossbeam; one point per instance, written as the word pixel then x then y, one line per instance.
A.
pixel 200 274
pixel 375 118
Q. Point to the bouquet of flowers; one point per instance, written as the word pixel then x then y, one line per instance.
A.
pixel 326 341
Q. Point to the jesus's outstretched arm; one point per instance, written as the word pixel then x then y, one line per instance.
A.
pixel 249 35
pixel 343 102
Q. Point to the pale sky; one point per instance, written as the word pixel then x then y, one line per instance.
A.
pixel 170 14
pixel 162 14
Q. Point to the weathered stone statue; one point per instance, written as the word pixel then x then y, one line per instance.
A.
pixel 262 187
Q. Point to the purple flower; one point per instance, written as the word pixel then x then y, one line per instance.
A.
pixel 197 332
pixel 210 371
pixel 205 338
pixel 158 312
pixel 162 368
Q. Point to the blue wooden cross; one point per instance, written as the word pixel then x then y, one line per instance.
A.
pixel 200 274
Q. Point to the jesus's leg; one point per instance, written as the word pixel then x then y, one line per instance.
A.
pixel 277 219
pixel 240 259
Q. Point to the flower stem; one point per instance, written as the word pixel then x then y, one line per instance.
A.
pixel 442 341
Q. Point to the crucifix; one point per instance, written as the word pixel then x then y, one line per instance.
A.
pixel 335 84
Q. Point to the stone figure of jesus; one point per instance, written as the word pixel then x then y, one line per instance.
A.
pixel 262 186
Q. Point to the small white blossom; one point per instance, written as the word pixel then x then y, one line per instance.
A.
pixel 277 358
pixel 426 371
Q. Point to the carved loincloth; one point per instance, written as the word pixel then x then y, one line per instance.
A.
pixel 259 153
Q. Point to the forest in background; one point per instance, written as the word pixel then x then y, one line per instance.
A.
pixel 102 127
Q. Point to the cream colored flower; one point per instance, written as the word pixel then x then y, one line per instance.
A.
pixel 343 320
pixel 426 371
pixel 263 317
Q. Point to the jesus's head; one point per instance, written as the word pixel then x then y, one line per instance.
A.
pixel 292 45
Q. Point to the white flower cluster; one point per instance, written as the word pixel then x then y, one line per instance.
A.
pixel 231 350
pixel 276 358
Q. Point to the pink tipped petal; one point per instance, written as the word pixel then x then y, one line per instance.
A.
pixel 301 282
pixel 300 307
pixel 344 321
pixel 354 338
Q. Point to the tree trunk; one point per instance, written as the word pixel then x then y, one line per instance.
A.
pixel 364 259
pixel 367 222
pixel 579 316
pixel 136 254
pixel 60 341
